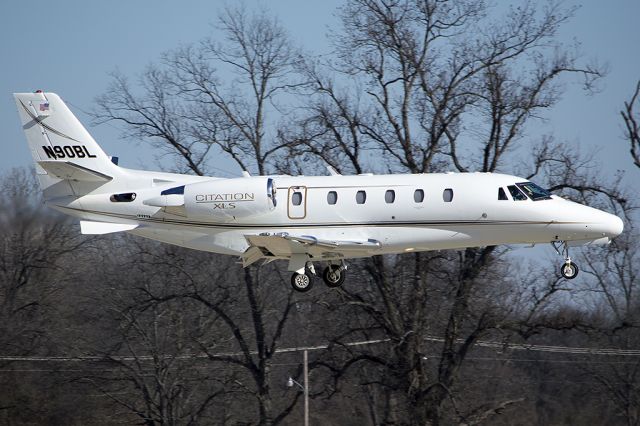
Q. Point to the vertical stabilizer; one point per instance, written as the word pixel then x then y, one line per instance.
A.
pixel 60 145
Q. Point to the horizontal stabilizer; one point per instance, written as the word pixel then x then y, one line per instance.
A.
pixel 70 171
pixel 99 228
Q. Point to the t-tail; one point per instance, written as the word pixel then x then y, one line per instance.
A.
pixel 69 162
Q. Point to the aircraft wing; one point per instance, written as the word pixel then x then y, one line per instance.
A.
pixel 285 246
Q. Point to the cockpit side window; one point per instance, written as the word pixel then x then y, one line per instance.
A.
pixel 516 194
pixel 534 191
pixel 501 194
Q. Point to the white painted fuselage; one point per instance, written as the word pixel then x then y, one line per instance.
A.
pixel 298 218
pixel 474 216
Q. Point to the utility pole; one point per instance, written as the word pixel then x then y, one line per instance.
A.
pixel 306 387
pixel 305 384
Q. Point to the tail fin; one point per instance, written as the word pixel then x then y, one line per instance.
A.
pixel 61 147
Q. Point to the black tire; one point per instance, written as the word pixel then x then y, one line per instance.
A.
pixel 333 277
pixel 569 270
pixel 301 282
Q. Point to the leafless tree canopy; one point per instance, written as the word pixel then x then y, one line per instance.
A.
pixel 631 118
pixel 120 330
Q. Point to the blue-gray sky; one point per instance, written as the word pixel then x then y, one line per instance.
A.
pixel 70 46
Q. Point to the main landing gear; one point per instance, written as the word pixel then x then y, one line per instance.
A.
pixel 333 276
pixel 302 282
pixel 568 270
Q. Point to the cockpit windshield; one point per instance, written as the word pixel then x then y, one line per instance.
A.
pixel 533 191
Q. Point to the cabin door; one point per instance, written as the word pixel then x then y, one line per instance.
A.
pixel 297 202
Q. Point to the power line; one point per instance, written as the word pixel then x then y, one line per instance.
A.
pixel 485 344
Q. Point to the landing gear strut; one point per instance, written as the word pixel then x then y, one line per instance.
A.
pixel 568 270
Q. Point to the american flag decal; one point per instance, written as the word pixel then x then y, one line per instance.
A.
pixel 44 106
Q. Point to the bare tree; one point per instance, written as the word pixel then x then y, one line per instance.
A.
pixel 431 86
pixel 37 253
pixel 329 128
pixel 212 94
pixel 156 371
pixel 615 273
pixel 157 116
pixel 430 76
pixel 197 337
pixel 34 264
pixel 631 118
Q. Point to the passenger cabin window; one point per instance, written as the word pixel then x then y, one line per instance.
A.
pixel 447 195
pixel 501 194
pixel 123 198
pixel 516 194
pixel 361 197
pixel 418 195
pixel 296 198
pixel 332 197
pixel 390 196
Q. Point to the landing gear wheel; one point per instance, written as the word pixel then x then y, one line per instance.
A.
pixel 569 270
pixel 333 277
pixel 301 282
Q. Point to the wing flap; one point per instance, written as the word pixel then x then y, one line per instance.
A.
pixel 336 245
pixel 284 246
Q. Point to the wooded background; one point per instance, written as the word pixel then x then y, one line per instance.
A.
pixel 116 329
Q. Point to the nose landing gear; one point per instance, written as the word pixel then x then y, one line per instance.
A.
pixel 568 270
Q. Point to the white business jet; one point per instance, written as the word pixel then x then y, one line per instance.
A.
pixel 301 219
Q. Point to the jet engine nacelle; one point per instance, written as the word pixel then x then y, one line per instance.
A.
pixel 230 199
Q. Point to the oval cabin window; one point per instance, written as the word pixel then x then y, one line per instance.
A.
pixel 296 198
pixel 390 196
pixel 361 197
pixel 418 196
pixel 447 195
pixel 332 197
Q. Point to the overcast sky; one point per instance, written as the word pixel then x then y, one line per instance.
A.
pixel 69 47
